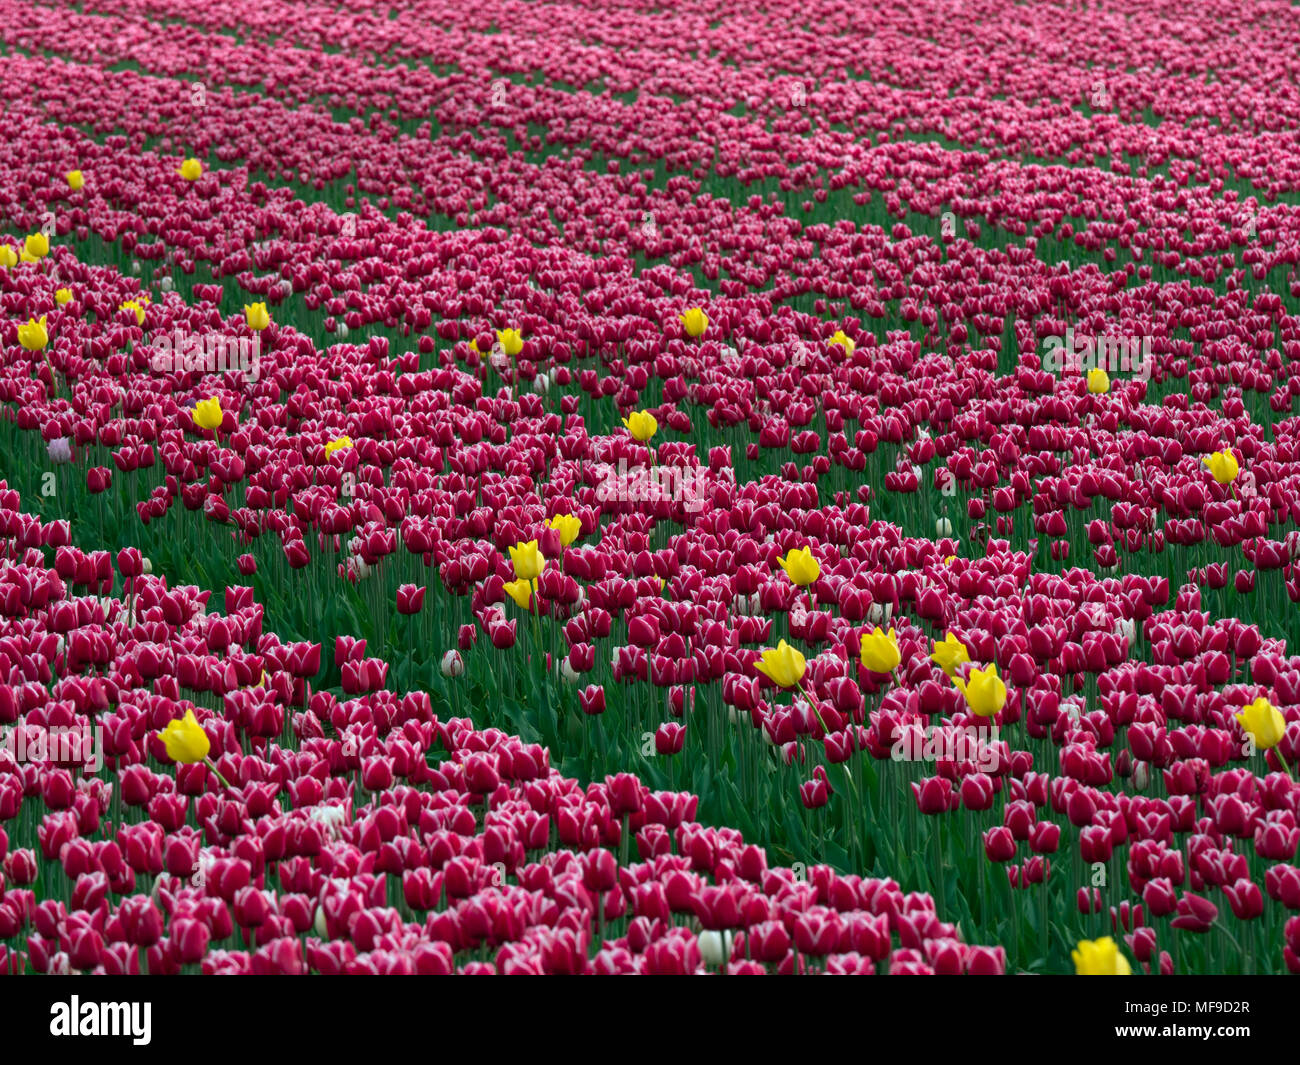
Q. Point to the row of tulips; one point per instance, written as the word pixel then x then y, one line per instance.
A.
pixel 282 831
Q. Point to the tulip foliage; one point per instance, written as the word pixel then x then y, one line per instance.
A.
pixel 696 439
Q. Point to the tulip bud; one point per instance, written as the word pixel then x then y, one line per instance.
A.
pixel 715 947
pixel 999 844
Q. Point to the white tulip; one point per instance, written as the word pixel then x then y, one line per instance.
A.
pixel 880 614
pixel 943 527
pixel 452 664
pixel 715 948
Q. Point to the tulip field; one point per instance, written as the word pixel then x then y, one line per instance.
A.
pixel 617 487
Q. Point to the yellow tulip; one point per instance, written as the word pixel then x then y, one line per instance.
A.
pixel 191 170
pixel 695 322
pixel 879 652
pixel 641 424
pixel 521 591
pixel 207 413
pixel 337 445
pixel 784 665
pixel 185 740
pixel 63 297
pixel 511 341
pixel 844 341
pixel 255 314
pixel 1222 466
pixel 137 308
pixel 800 566
pixel 75 179
pixel 528 561
pixel 950 654
pixel 567 526
pixel 1098 381
pixel 1100 957
pixel 1263 722
pixel 985 693
pixel 8 257
pixel 33 336
pixel 36 246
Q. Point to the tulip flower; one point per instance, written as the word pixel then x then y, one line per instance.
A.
pixel 715 948
pixel 521 591
pixel 187 744
pixel 950 654
pixel 257 316
pixel 843 341
pixel 75 179
pixel 36 246
pixel 32 336
pixel 783 665
pixel 694 321
pixel 410 598
pixel 63 297
pixel 511 341
pixel 8 257
pixel 641 424
pixel 136 307
pixel 1100 957
pixel 207 414
pixel 1222 465
pixel 670 738
pixel 185 740
pixel 337 445
pixel 1263 723
pixel 879 651
pixel 191 170
pixel 528 561
pixel 985 693
pixel 567 526
pixel 1098 381
pixel 800 566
